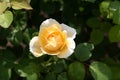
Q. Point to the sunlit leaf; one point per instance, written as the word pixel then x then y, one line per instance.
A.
pixel 20 4
pixel 28 1
pixel 3 6
pixel 104 7
pixel 6 19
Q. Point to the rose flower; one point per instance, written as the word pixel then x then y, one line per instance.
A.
pixel 53 39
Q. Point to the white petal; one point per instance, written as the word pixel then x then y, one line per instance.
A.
pixel 49 22
pixel 71 32
pixel 71 43
pixel 66 53
pixel 35 47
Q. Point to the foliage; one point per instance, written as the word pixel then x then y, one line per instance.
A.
pixel 97 52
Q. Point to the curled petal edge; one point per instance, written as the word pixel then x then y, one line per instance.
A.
pixel 35 47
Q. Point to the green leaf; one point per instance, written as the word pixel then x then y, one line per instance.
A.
pixel 3 6
pixel 20 4
pixel 93 23
pixel 20 19
pixel 33 76
pixel 100 71
pixel 59 66
pixel 27 36
pixel 28 1
pixel 18 37
pixel 76 71
pixel 25 70
pixel 115 68
pixel 62 76
pixel 7 58
pixel 116 16
pixel 116 72
pixel 89 46
pixel 105 27
pixel 114 34
pixel 104 7
pixel 114 5
pixel 50 76
pixel 82 51
pixel 96 37
pixel 6 19
pixel 5 73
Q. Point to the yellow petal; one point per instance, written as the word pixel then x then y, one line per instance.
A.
pixel 51 37
pixel 35 48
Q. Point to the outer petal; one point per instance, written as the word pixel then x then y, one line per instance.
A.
pixel 71 32
pixel 66 53
pixel 71 43
pixel 49 22
pixel 35 47
pixel 70 49
pixel 49 53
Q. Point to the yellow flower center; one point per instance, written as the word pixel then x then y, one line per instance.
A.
pixel 52 39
